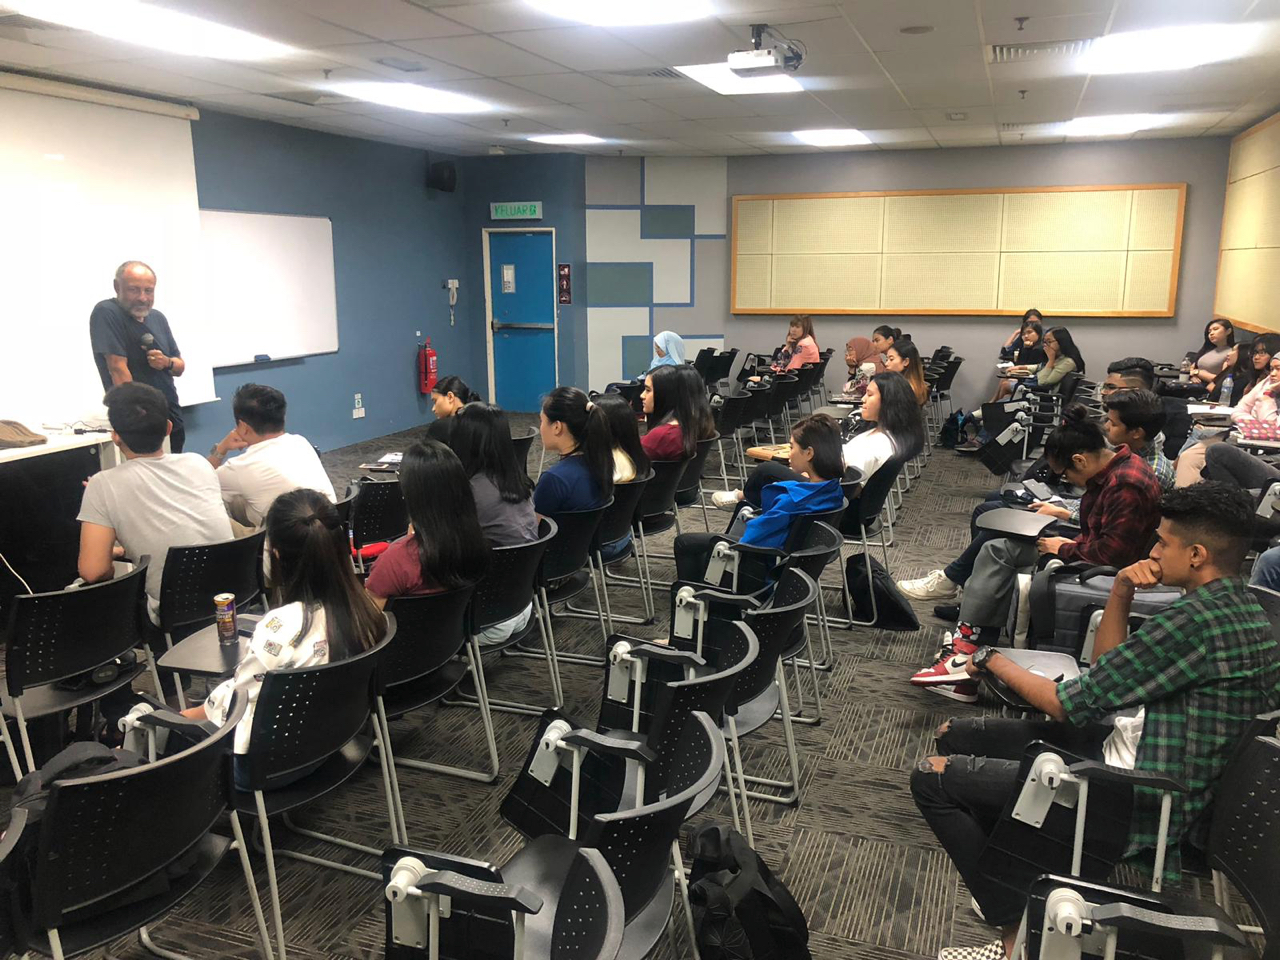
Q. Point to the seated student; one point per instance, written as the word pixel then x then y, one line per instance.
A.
pixel 668 350
pixel 1138 373
pixel 884 336
pixel 859 351
pixel 810 485
pixel 152 501
pixel 1252 367
pixel 800 346
pixel 1259 405
pixel 1196 673
pixel 582 479
pixel 1227 463
pixel 318 612
pixel 629 458
pixel 481 439
pixel 448 396
pixel 1118 514
pixel 273 462
pixel 1020 348
pixel 675 401
pixel 904 358
pixel 1216 354
pixel 1061 356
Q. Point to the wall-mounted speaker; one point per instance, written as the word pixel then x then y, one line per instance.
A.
pixel 442 176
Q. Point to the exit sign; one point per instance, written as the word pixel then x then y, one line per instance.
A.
pixel 518 210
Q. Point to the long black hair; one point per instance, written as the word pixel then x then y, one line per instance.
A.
pixel 680 394
pixel 1077 434
pixel 1067 347
pixel 481 438
pixel 1208 344
pixel 1032 316
pixel 914 372
pixel 458 387
pixel 622 428
pixel 821 433
pixel 311 564
pixel 900 414
pixel 1245 377
pixel 590 431
pixel 888 332
pixel 451 544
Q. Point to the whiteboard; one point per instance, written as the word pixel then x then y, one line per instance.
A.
pixel 84 187
pixel 269 287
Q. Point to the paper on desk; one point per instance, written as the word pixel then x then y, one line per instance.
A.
pixel 1194 408
pixel 391 458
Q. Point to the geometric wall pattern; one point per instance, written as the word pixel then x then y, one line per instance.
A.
pixel 1249 258
pixel 657 258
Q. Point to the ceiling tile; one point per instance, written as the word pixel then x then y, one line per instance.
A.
pixel 945 65
pixel 629 111
pixel 256 104
pixel 972 117
pixel 20 54
pixel 367 55
pixel 856 104
pixel 1148 14
pixel 994 10
pixel 653 88
pixel 495 17
pixel 277 21
pixel 569 87
pixel 776 13
pixel 949 96
pixel 702 41
pixel 383 19
pixel 503 96
pixel 234 75
pixel 709 106
pixel 880 23
pixel 582 48
pixel 964 133
pixel 138 77
pixel 1046 29
pixel 485 55
pixel 903 135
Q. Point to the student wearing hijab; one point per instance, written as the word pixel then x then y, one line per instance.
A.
pixel 668 350
pixel 857 351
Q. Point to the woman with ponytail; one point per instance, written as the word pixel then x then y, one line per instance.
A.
pixel 675 402
pixel 574 427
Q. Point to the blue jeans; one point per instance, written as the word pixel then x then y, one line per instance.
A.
pixel 1266 569
pixel 960 569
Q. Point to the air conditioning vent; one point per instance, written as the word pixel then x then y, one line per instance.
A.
pixel 402 64
pixel 658 73
pixel 1048 50
pixel 311 98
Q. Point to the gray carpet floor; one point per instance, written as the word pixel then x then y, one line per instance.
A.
pixel 864 867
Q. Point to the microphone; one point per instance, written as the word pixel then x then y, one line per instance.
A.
pixel 148 342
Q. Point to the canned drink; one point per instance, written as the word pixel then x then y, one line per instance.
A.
pixel 224 607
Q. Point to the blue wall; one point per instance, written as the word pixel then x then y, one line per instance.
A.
pixel 394 243
pixel 559 181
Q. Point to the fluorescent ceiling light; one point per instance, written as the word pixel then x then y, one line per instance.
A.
pixel 1170 48
pixel 566 139
pixel 721 79
pixel 625 13
pixel 152 26
pixel 832 137
pixel 1113 125
pixel 409 96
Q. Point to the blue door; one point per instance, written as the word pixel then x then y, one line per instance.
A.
pixel 522 290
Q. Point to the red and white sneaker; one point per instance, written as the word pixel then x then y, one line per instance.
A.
pixel 949 667
pixel 966 691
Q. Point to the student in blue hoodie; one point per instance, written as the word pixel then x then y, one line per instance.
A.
pixel 813 486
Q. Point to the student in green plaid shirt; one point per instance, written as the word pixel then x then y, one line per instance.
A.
pixel 1180 691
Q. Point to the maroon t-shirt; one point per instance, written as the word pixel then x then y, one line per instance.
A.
pixel 664 442
pixel 398 572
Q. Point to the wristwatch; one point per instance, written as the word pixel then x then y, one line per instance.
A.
pixel 980 658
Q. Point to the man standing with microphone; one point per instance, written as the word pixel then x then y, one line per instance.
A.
pixel 131 341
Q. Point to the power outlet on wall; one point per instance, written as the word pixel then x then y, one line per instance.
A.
pixel 357 412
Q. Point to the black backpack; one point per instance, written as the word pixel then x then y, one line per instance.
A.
pixel 741 911
pixel 893 610
pixel 952 432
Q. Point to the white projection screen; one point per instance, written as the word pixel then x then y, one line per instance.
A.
pixel 84 187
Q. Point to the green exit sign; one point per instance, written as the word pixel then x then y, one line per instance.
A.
pixel 519 210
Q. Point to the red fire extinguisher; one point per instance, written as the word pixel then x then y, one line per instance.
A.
pixel 427 368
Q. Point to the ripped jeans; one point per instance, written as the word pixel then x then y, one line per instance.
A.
pixel 963 803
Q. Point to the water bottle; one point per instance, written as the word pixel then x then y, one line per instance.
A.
pixel 1185 375
pixel 1224 395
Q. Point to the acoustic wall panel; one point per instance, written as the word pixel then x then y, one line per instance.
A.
pixel 840 225
pixel 1071 220
pixel 1079 251
pixel 1249 254
pixel 826 281
pixel 1063 282
pixel 928 224
pixel 937 281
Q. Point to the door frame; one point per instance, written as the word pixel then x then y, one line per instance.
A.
pixel 488 300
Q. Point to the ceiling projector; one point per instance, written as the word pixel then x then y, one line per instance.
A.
pixel 783 56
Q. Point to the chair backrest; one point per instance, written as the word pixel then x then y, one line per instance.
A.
pixel 774 625
pixel 378 513
pixel 948 374
pixel 430 631
pixel 759 394
pixel 820 545
pixel 343 507
pixel 721 365
pixel 507 587
pixel 731 413
pixel 523 445
pixel 1245 831
pixel 618 516
pixel 692 476
pixel 194 575
pixel 305 714
pixel 104 834
pixel 702 362
pixel 660 493
pixel 1067 387
pixel 875 491
pixel 785 389
pixel 52 636
pixel 590 914
pixel 570 548
pixel 637 842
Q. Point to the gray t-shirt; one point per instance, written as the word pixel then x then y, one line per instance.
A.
pixel 157 503
pixel 504 524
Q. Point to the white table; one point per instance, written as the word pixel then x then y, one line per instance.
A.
pixel 59 442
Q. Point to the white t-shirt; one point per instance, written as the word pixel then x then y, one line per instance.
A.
pixel 1120 749
pixel 252 480
pixel 868 452
pixel 278 642
pixel 156 503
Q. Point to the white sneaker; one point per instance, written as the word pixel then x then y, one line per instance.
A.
pixel 988 951
pixel 935 586
pixel 726 499
pixel 973 905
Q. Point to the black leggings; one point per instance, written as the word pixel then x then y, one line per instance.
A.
pixel 763 475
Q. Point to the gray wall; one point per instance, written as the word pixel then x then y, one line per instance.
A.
pixel 1201 164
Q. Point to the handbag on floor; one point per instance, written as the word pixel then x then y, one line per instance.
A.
pixel 741 911
pixel 893 610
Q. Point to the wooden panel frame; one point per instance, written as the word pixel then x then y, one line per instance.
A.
pixel 1094 188
pixel 1217 279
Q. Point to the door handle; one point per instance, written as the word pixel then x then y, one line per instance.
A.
pixel 523 326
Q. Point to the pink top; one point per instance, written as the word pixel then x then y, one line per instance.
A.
pixel 806 352
pixel 1258 404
